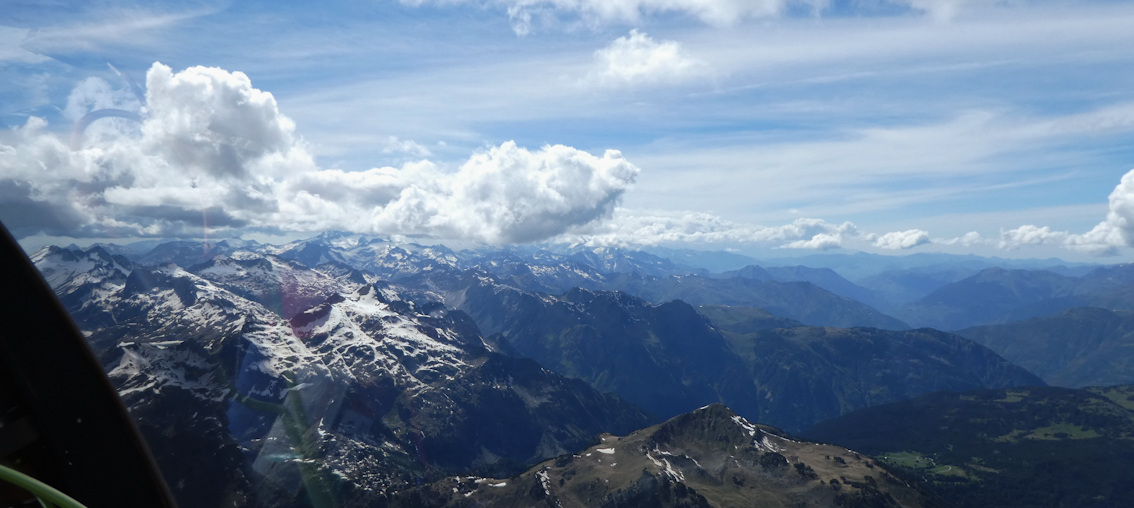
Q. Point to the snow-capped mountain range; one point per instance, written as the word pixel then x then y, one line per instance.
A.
pixel 343 369
pixel 314 380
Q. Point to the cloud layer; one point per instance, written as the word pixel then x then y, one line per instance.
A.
pixel 636 227
pixel 213 153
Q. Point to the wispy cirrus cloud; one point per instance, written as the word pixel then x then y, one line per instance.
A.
pixel 945 10
pixel 11 39
pixel 105 31
pixel 525 14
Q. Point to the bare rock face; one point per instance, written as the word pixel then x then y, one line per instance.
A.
pixel 709 457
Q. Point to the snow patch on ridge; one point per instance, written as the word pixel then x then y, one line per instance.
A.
pixel 361 335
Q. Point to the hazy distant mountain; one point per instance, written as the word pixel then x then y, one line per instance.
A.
pixel 713 261
pixel 801 301
pixel 793 292
pixel 1024 447
pixel 708 457
pixel 825 278
pixel 809 374
pixel 896 281
pixel 993 295
pixel 1078 347
pixel 998 295
pixel 1110 287
pixel 899 287
pixel 858 266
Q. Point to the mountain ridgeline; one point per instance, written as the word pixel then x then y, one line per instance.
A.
pixel 346 371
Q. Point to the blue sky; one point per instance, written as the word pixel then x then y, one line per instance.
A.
pixel 766 126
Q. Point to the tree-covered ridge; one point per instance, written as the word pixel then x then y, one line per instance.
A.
pixel 807 374
pixel 1039 446
pixel 1079 347
pixel 671 358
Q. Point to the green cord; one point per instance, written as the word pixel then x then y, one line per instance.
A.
pixel 44 493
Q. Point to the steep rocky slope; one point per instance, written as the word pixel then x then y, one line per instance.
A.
pixel 706 458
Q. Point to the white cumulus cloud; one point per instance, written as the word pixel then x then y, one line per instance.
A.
pixel 509 194
pixel 637 58
pixel 1120 217
pixel 819 234
pixel 1117 230
pixel 821 241
pixel 900 240
pixel 967 240
pixel 1103 240
pixel 214 153
pixel 1030 235
pixel 394 145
